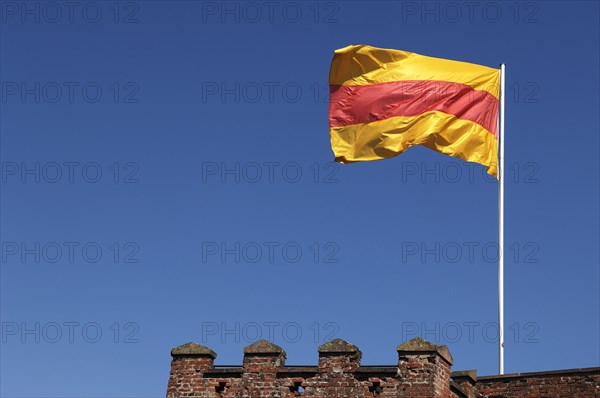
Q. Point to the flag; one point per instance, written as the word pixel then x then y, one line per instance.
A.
pixel 385 101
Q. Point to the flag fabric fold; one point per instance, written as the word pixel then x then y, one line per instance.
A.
pixel 384 101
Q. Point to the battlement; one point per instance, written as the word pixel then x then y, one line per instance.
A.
pixel 422 371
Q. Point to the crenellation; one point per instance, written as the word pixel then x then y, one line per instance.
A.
pixel 423 371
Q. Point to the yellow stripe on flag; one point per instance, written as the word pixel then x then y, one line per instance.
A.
pixel 360 65
pixel 390 137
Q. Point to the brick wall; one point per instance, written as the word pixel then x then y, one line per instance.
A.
pixel 422 371
pixel 574 383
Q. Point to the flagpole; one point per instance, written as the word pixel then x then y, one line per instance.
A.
pixel 501 224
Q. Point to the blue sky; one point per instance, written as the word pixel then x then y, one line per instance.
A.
pixel 167 177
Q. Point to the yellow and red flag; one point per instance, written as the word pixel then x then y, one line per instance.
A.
pixel 385 101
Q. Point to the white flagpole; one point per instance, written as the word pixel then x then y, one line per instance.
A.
pixel 501 224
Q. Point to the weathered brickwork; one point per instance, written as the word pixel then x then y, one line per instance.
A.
pixel 423 371
pixel 574 383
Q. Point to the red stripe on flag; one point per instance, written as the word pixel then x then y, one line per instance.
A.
pixel 369 103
